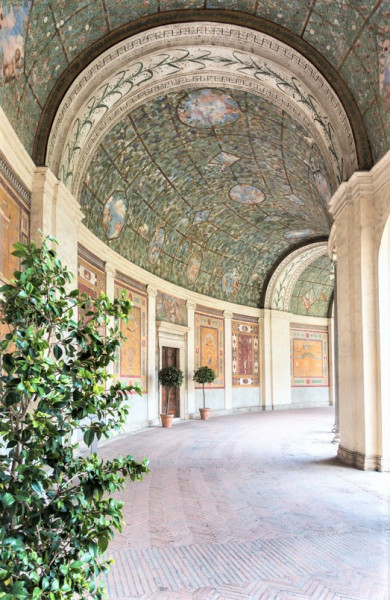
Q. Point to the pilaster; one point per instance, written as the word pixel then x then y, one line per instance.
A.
pixel 54 211
pixel 227 315
pixel 265 358
pixel 190 367
pixel 152 349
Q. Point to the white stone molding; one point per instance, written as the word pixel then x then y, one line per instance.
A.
pixel 282 282
pixel 173 336
pixel 152 407
pixel 228 315
pixel 201 54
pixel 191 307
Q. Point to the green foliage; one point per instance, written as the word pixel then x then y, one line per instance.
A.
pixel 170 377
pixel 56 516
pixel 204 375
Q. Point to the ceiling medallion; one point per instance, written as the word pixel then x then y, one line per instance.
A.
pixel 207 108
pixel 246 194
pixel 114 214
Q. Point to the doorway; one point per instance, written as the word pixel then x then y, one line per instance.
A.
pixel 171 358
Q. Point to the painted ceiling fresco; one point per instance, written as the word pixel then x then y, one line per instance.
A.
pixel 206 188
pixel 313 291
pixel 40 39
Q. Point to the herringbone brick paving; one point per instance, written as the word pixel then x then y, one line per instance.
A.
pixel 250 507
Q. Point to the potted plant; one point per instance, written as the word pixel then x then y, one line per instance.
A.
pixel 169 377
pixel 204 375
pixel 56 513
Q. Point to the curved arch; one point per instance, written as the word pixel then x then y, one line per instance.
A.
pixel 284 278
pixel 364 156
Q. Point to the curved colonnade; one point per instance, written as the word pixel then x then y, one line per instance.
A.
pixel 265 358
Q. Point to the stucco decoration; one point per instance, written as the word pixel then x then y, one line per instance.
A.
pixel 282 284
pixel 229 57
pixel 191 223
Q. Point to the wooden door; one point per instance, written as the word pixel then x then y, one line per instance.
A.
pixel 170 358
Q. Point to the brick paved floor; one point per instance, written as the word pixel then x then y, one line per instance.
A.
pixel 250 507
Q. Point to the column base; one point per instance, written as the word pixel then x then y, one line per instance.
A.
pixel 361 461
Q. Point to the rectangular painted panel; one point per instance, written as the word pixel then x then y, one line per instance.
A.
pixel 14 227
pixel 245 354
pixel 131 365
pixel 210 346
pixel 309 357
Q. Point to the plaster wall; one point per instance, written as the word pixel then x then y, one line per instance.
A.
pixel 215 399
pixel 313 396
pixel 246 397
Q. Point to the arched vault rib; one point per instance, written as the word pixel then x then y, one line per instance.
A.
pixel 222 17
pixel 234 56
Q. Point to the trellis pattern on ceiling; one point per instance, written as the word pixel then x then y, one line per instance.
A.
pixel 313 291
pixel 40 39
pixel 207 199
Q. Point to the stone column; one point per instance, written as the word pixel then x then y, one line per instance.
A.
pixel 190 367
pixel 152 367
pixel 56 212
pixel 42 203
pixel 336 428
pixel 360 207
pixel 227 315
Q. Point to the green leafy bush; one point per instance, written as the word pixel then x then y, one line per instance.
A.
pixel 170 377
pixel 204 375
pixel 56 515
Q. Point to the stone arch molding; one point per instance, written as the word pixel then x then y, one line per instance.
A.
pixel 179 56
pixel 282 282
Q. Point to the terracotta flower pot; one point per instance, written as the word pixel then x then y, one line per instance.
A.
pixel 204 413
pixel 166 420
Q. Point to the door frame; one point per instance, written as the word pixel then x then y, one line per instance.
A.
pixel 173 336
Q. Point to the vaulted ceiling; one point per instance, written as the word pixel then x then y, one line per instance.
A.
pixel 203 138
pixel 207 188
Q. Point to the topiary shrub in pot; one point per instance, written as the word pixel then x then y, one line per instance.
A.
pixel 169 377
pixel 204 375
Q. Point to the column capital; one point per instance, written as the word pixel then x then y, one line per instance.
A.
pixel 152 291
pixel 227 314
pixel 44 181
pixel 110 270
pixel 191 305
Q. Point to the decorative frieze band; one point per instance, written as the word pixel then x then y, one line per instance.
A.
pixel 14 181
